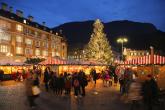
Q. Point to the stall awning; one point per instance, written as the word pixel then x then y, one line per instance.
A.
pixel 4 62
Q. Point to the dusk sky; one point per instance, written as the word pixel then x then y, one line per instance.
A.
pixel 56 12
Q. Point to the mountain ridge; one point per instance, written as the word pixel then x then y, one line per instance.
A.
pixel 140 35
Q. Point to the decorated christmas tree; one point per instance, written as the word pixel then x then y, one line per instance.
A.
pixel 98 48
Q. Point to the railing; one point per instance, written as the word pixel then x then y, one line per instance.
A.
pixel 5 41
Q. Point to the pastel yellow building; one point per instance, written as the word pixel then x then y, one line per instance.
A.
pixel 22 37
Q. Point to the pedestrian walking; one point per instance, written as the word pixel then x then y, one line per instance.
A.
pixel 134 93
pixel 46 79
pixel 83 82
pixel 29 84
pixel 150 92
pixel 76 85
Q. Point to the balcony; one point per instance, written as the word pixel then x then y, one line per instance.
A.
pixel 5 41
pixel 37 46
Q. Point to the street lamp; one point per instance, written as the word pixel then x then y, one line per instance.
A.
pixel 152 58
pixel 122 40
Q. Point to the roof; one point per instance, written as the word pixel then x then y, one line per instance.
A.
pixel 13 16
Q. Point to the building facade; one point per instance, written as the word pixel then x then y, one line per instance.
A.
pixel 131 54
pixel 22 38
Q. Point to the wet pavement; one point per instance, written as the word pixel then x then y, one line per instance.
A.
pixel 12 97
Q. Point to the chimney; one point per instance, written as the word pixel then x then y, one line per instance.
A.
pixel 11 9
pixel 43 23
pixel 4 6
pixel 30 18
pixel 19 13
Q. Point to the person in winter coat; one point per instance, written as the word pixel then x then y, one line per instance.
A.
pixel 134 93
pixel 68 85
pixel 46 79
pixel 94 75
pixel 83 82
pixel 29 84
pixel 76 84
pixel 150 92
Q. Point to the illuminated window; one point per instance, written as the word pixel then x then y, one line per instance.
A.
pixel 4 48
pixel 19 39
pixel 5 36
pixel 53 54
pixel 24 21
pixel 45 44
pixel 57 54
pixel 37 52
pixel 19 50
pixel 5 24
pixel 45 53
pixel 28 41
pixel 28 51
pixel 19 27
pixel 36 33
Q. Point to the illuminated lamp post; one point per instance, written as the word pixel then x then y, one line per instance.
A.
pixel 152 58
pixel 122 40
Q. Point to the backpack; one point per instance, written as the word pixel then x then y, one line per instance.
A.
pixel 76 83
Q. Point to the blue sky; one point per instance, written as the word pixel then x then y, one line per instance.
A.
pixel 56 12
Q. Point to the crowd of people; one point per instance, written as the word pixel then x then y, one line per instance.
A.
pixel 138 90
pixel 63 83
pixel 131 85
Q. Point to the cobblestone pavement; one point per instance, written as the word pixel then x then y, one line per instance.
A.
pixel 13 97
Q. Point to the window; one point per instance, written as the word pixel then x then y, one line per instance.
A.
pixel 43 36
pixel 4 24
pixel 28 41
pixel 57 54
pixel 5 36
pixel 45 44
pixel 19 27
pixel 19 38
pixel 36 33
pixel 53 54
pixel 53 45
pixel 19 50
pixel 37 43
pixel 28 51
pixel 24 21
pixel 29 31
pixel 4 48
pixel 45 53
pixel 37 52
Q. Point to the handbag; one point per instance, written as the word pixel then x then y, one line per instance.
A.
pixel 36 90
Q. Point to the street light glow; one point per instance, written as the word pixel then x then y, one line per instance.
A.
pixel 122 40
